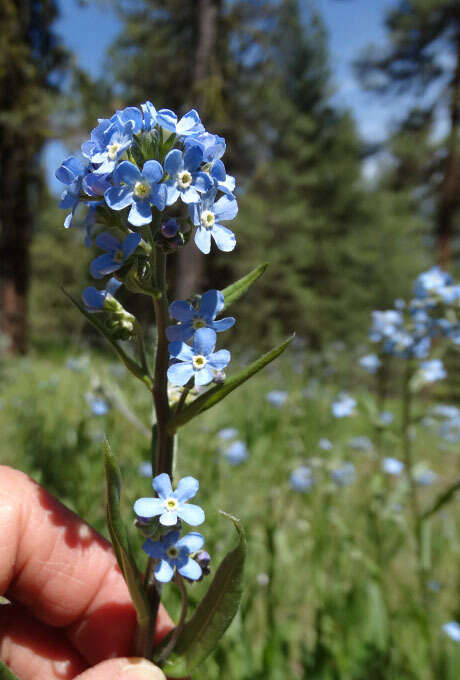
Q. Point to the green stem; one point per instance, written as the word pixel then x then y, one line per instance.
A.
pixel 178 629
pixel 153 589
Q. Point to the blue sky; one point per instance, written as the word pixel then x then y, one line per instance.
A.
pixel 351 24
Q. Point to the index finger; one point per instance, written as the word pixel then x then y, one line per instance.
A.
pixel 64 571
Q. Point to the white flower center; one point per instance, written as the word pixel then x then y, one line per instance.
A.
pixel 184 179
pixel 113 150
pixel 199 361
pixel 207 219
pixel 141 189
pixel 171 504
pixel 198 323
pixel 118 256
pixel 172 552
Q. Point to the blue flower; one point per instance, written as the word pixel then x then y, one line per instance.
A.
pixel 150 115
pixel 433 370
pixel 207 215
pixel 212 302
pixel 174 553
pixel 302 479
pixel 276 398
pixel 431 282
pixel 386 417
pixel 96 300
pixel 343 406
pixel 392 466
pixel 198 361
pixel 185 179
pixel 139 190
pixel 71 172
pixel 189 124
pixel 98 405
pixel 171 505
pixel 109 140
pixel 370 363
pixel 236 453
pixel 130 115
pixel 344 475
pixel 228 433
pixel 116 256
pixel 213 148
pixel 145 469
pixel 452 629
pixel 361 444
pixel 425 477
pixel 325 444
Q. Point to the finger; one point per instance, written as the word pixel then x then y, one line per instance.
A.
pixel 63 571
pixel 123 669
pixel 35 651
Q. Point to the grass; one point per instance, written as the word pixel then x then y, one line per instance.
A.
pixel 331 590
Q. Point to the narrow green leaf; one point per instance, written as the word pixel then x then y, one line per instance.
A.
pixel 219 392
pixel 442 499
pixel 237 289
pixel 4 600
pixel 119 536
pixel 130 364
pixel 6 674
pixel 214 613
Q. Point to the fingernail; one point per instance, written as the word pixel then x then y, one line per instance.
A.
pixel 141 670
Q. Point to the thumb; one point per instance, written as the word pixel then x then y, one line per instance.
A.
pixel 133 668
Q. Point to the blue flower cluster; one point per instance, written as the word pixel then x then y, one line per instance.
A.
pixel 171 508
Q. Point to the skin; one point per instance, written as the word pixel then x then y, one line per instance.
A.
pixel 71 616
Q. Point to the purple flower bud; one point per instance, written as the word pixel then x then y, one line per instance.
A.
pixel 170 228
pixel 204 560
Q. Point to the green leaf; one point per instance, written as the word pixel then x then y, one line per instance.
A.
pixel 233 292
pixel 4 600
pixel 219 392
pixel 442 499
pixel 120 539
pixel 214 613
pixel 6 674
pixel 130 364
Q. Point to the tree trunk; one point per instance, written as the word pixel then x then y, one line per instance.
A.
pixel 15 224
pixel 190 267
pixel 449 188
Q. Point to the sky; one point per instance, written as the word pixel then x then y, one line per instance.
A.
pixel 351 25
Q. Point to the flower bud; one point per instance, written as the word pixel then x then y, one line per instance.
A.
pixel 219 377
pixel 170 228
pixel 204 560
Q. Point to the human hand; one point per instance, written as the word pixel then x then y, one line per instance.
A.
pixel 71 615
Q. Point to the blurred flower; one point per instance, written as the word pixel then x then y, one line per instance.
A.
pixel 370 363
pixel 198 361
pixel 325 444
pixel 174 553
pixel 171 505
pixel 98 405
pixel 452 629
pixel 435 586
pixel 276 398
pixel 145 469
pixel 236 453
pixel 446 411
pixel 433 370
pixel 425 477
pixel 392 466
pixel 386 417
pixel 302 479
pixel 361 444
pixel 344 475
pixel 263 579
pixel 343 406
pixel 431 282
pixel 77 364
pixel 211 304
pixel 228 433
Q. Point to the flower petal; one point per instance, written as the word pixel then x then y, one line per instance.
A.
pixel 202 182
pixel 181 332
pixel 192 514
pixel 180 374
pixel 212 302
pixel 155 549
pixel 159 195
pixel 191 570
pixel 204 376
pixel 220 359
pixel 226 208
pixel 193 541
pixel 218 171
pixel 173 162
pixel 127 173
pixel 223 324
pixel 103 265
pixel 152 171
pixel 181 351
pixel 140 213
pixel 164 572
pixel 107 242
pixel 190 195
pixel 167 119
pixel 224 238
pixel 192 158
pixel 172 192
pixel 181 311
pixel 162 485
pixel 118 198
pixel 130 244
pixel 204 341
pixel 146 508
pixel 203 240
pixel 186 489
pixel 168 518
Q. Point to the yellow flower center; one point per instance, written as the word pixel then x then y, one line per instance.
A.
pixel 141 189
pixel 171 504
pixel 207 219
pixel 172 552
pixel 199 361
pixel 113 150
pixel 198 323
pixel 184 179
